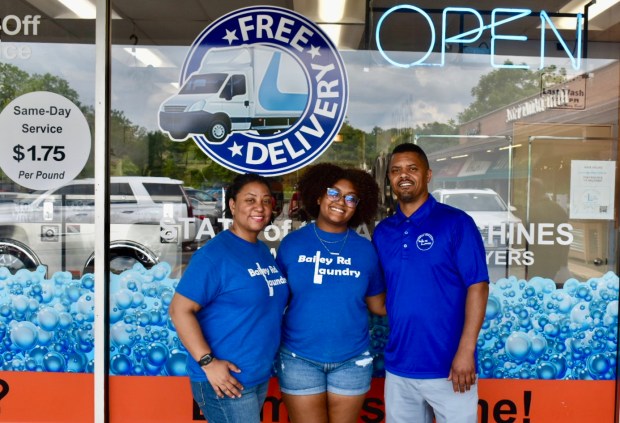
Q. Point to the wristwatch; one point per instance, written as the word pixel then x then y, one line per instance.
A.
pixel 205 359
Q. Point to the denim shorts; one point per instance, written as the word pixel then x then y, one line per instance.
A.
pixel 301 376
pixel 230 410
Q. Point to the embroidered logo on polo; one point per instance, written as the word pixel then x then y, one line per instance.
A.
pixel 425 241
pixel 263 90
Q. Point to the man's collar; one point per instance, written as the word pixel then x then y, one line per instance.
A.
pixel 420 213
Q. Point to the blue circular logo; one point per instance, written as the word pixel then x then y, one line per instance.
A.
pixel 425 241
pixel 263 90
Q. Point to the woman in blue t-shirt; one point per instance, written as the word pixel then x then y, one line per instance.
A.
pixel 228 308
pixel 324 366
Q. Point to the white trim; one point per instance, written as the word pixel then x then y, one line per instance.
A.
pixel 102 49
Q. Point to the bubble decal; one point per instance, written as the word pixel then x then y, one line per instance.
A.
pixel 532 329
pixel 46 325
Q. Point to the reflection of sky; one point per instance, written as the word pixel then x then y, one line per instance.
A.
pixel 74 63
pixel 380 94
pixel 385 96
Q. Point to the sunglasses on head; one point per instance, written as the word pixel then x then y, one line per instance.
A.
pixel 334 194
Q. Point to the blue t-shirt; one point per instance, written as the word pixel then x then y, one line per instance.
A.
pixel 327 317
pixel 430 259
pixel 243 295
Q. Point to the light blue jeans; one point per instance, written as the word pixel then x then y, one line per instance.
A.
pixel 230 410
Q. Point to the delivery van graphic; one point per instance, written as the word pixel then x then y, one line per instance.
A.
pixel 262 89
pixel 252 87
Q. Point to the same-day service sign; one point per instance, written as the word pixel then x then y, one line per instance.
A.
pixel 48 140
pixel 262 89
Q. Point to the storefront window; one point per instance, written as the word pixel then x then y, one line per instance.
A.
pixel 522 134
pixel 47 97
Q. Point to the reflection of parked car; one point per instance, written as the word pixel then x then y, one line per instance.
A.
pixel 296 209
pixel 203 210
pixel 209 206
pixel 204 196
pixel 150 218
pixel 206 210
pixel 217 193
pixel 487 209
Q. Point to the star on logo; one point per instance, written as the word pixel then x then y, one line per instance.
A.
pixel 236 149
pixel 231 36
pixel 314 51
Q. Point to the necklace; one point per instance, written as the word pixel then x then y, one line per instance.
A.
pixel 325 242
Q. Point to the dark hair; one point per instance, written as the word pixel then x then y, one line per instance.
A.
pixel 315 181
pixel 411 148
pixel 237 185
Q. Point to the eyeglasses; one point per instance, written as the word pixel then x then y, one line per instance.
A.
pixel 351 200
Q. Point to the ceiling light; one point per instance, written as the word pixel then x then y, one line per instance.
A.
pixel 331 10
pixel 349 14
pixel 145 55
pixel 593 11
pixel 508 147
pixel 82 8
pixel 333 31
pixel 596 9
pixel 69 9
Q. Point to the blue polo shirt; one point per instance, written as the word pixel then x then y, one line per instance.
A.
pixel 430 259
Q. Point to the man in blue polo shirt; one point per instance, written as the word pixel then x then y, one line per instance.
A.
pixel 437 289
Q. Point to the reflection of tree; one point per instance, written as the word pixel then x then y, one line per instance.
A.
pixel 504 86
pixel 133 150
pixel 436 128
pixel 185 161
pixel 403 135
pixel 357 148
pixel 354 148
pixel 127 154
pixel 15 82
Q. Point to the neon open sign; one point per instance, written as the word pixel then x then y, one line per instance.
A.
pixel 499 17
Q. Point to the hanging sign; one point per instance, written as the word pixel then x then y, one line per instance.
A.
pixel 592 187
pixel 263 90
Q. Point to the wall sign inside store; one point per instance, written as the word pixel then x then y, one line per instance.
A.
pixel 499 17
pixel 263 90
pixel 592 188
pixel 48 140
pixel 14 25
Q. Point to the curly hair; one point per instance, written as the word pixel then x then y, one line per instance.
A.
pixel 315 181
